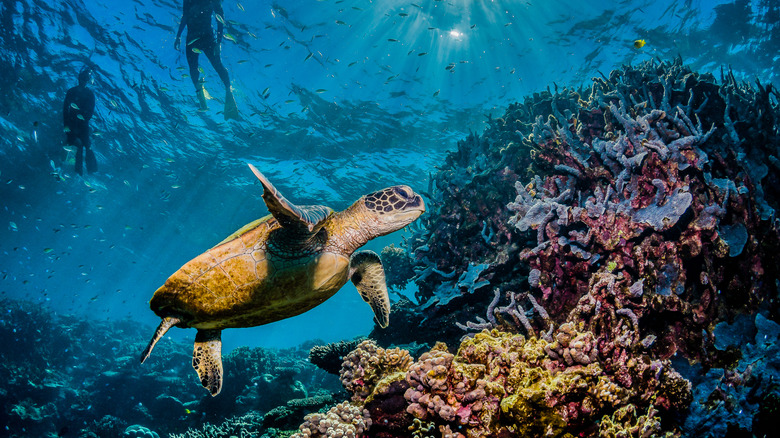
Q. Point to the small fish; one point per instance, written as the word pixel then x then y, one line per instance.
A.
pixel 321 90
pixel 74 106
pixel 13 226
pixel 392 40
pixel 220 19
pixel 47 250
pixel 351 64
pixel 422 53
pixel 242 61
pixel 306 58
pixel 436 93
pixel 80 117
pixel 196 50
pixel 267 89
pixel 403 14
pixel 192 41
pixel 638 44
pixel 240 6
pixel 340 22
pixel 230 37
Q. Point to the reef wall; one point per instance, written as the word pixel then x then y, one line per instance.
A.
pixel 635 215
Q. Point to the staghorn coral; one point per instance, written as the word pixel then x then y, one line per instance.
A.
pixel 244 426
pixel 344 420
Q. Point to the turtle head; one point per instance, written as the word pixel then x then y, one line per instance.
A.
pixel 393 208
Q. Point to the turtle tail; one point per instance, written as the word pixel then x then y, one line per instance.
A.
pixel 165 325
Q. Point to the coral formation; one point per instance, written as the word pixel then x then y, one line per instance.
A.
pixel 138 431
pixel 344 420
pixel 369 367
pixel 502 384
pixel 329 357
pixel 618 223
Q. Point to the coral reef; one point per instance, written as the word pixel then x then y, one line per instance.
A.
pixel 330 357
pixel 619 223
pixel 369 368
pixel 246 425
pixel 344 420
pixel 502 384
pixel 75 377
pixel 138 431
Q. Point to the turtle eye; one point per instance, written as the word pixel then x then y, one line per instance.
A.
pixel 403 192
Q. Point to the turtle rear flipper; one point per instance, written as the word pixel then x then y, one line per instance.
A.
pixel 207 359
pixel 367 274
pixel 165 325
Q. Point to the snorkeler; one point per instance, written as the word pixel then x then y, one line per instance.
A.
pixel 196 16
pixel 76 112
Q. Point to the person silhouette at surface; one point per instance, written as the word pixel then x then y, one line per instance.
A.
pixel 76 112
pixel 196 17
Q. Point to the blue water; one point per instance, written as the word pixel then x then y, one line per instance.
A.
pixel 337 99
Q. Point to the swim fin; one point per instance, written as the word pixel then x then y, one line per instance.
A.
pixel 91 161
pixel 231 110
pixel 202 106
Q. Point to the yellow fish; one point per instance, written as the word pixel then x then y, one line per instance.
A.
pixel 638 44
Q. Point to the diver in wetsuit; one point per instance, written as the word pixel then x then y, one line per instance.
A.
pixel 196 16
pixel 76 112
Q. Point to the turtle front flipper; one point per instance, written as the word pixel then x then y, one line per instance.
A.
pixel 165 325
pixel 367 274
pixel 289 215
pixel 207 359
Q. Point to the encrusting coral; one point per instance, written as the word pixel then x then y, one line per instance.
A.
pixel 502 383
pixel 369 366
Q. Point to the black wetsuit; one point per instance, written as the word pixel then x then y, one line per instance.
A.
pixel 196 17
pixel 77 110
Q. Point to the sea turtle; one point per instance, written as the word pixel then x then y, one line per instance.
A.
pixel 280 266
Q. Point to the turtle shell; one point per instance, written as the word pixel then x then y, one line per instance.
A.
pixel 258 275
